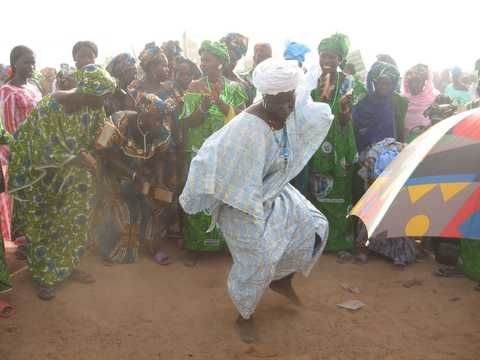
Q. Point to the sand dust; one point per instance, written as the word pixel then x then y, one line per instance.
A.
pixel 148 311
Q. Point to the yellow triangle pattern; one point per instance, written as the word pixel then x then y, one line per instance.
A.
pixel 416 192
pixel 449 190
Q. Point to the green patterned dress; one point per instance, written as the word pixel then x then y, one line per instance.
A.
pixel 55 196
pixel 5 285
pixel 195 226
pixel 330 174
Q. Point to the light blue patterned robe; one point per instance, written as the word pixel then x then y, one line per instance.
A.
pixel 240 177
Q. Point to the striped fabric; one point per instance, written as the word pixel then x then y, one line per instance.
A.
pixel 240 177
pixel 15 105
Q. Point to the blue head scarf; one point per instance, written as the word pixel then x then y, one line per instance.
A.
pixel 374 116
pixel 295 51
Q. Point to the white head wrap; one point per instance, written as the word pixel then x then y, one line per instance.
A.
pixel 274 76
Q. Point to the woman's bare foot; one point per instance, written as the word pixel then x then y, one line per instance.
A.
pixel 284 287
pixel 245 329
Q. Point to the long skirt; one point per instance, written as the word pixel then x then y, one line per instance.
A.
pixel 58 216
pixel 402 251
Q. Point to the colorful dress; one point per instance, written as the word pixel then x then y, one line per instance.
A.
pixel 330 173
pixel 195 227
pixel 459 97
pixel 56 195
pixel 16 102
pixel 5 285
pixel 127 214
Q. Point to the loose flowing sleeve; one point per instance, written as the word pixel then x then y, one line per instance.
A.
pixel 229 169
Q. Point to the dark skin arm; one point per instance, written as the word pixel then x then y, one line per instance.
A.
pixel 197 118
pixel 345 108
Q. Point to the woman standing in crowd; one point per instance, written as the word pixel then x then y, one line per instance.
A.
pixel 261 52
pixel 186 71
pixel 154 64
pixel 209 103
pixel 17 99
pixel 123 69
pixel 133 174
pixel 458 91
pixel 330 170
pixel 5 284
pixel 51 165
pixel 172 51
pixel 419 91
pixel 84 53
pixel 237 45
pixel 381 114
pixel 379 123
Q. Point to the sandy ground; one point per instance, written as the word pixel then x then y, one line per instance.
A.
pixel 146 311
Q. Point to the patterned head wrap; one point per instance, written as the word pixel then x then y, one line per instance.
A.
pixel 119 64
pixel 337 43
pixel 386 58
pixel 296 51
pixel 94 80
pixel 382 70
pixel 236 43
pixel 217 49
pixel 148 103
pixel 171 48
pixel 418 71
pixel 149 54
pixel 274 76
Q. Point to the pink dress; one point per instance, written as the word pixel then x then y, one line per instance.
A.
pixel 16 102
pixel 417 104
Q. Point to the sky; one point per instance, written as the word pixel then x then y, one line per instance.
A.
pixel 439 33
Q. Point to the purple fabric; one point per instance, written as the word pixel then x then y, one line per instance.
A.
pixel 373 120
pixel 374 117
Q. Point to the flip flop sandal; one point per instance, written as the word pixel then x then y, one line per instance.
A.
pixel 46 293
pixel 6 310
pixel 449 273
pixel 82 277
pixel 162 258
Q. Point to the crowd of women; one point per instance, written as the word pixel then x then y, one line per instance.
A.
pixel 97 158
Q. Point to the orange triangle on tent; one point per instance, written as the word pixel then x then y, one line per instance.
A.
pixel 416 192
pixel 449 190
